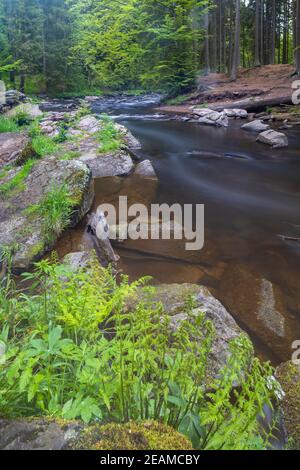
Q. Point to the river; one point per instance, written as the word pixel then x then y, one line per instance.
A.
pixel 251 195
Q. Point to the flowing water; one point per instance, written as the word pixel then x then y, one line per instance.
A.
pixel 252 197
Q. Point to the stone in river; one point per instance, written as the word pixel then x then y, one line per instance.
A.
pixel 255 126
pixel 211 117
pixel 236 113
pixel 273 138
pixel 145 169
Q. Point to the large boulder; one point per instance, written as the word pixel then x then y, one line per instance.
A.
pixel 128 138
pixel 112 164
pixel 273 138
pixel 14 147
pixel 46 434
pixel 25 230
pixel 89 124
pixel 173 298
pixel 210 117
pixel 255 126
pixel 288 375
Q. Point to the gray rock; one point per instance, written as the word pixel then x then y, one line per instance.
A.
pixel 13 97
pixel 145 169
pixel 129 140
pixel 13 147
pixel 25 232
pixel 260 304
pixel 274 139
pixel 32 110
pixel 210 117
pixel 79 260
pixel 255 126
pixel 114 164
pixel 37 434
pixel 89 124
pixel 236 113
pixel 174 296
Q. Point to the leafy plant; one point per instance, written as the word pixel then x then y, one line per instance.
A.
pixel 83 346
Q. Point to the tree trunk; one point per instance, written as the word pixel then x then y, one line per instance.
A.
pixel 298 38
pixel 207 48
pixel 257 33
pixel 236 51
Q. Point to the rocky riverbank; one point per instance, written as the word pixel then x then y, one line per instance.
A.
pixel 80 156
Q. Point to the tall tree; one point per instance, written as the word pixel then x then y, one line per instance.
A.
pixel 298 37
pixel 236 51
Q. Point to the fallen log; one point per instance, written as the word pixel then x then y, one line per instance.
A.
pixel 253 105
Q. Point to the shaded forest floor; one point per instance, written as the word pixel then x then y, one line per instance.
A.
pixel 270 83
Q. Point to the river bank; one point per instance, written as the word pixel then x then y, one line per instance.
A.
pixel 244 263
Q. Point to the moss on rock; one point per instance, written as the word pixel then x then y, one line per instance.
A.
pixel 148 435
pixel 288 375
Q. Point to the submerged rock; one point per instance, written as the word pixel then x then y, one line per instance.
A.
pixel 288 375
pixel 273 138
pixel 14 147
pixel 255 126
pixel 260 304
pixel 210 117
pixel 23 229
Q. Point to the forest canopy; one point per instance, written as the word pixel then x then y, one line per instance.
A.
pixel 85 45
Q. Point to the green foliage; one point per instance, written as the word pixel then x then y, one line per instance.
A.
pixel 109 136
pixel 8 125
pixel 17 182
pixel 84 346
pixel 43 145
pixel 54 212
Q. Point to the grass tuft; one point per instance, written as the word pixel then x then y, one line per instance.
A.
pixel 109 136
pixel 8 125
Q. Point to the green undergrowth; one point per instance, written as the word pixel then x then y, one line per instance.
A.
pixel 109 137
pixel 54 212
pixel 82 345
pixel 17 182
pixel 8 125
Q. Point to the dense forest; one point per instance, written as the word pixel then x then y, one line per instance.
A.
pixel 75 46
